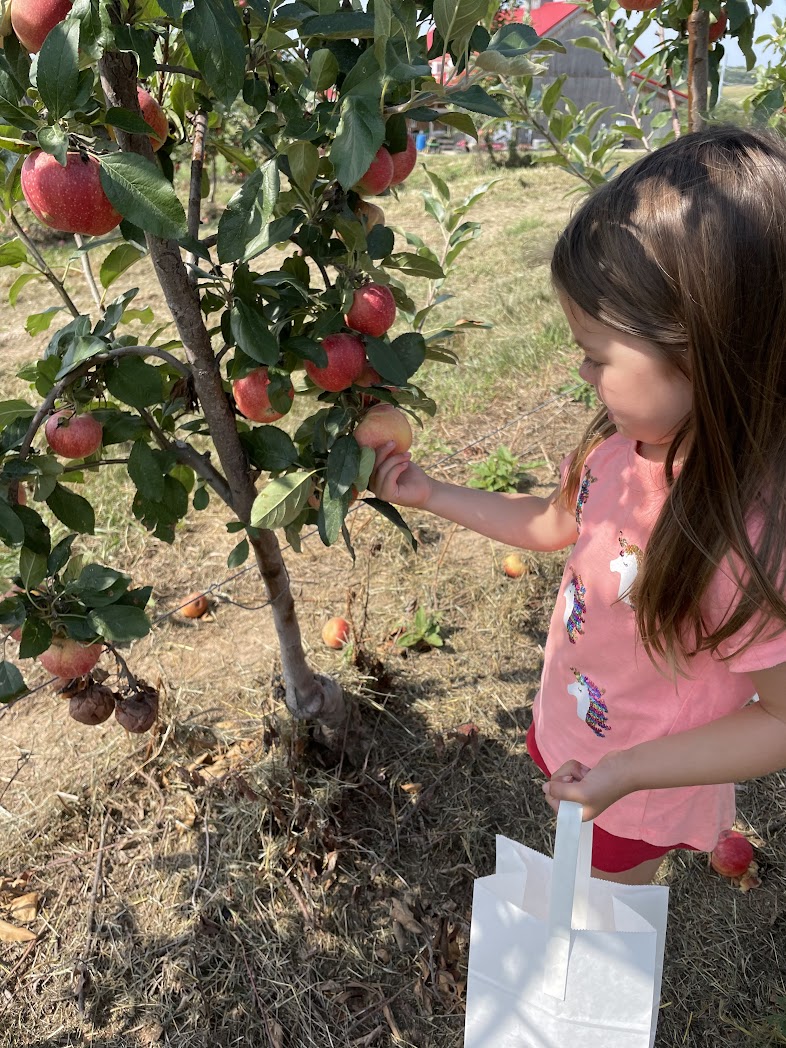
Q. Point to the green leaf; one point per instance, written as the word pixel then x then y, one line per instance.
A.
pixel 201 499
pixel 212 31
pixel 118 260
pixel 12 532
pixel 32 568
pixel 162 517
pixel 11 410
pixel 396 361
pixel 342 25
pixel 456 19
pixel 303 162
pixel 380 242
pixel 58 558
pixel 251 331
pixel 13 253
pixel 133 123
pixel 269 448
pixel 392 514
pixel 281 500
pixel 120 623
pixel 58 68
pixel 461 121
pixel 37 536
pixel 360 133
pixel 72 510
pixel 82 348
pixel 12 683
pixel 368 460
pixel 279 230
pixel 239 554
pixel 36 637
pixel 145 471
pixel 98 586
pixel 134 382
pixel 138 189
pixel 342 469
pixel 23 119
pixel 53 140
pixel 323 69
pixel 476 100
pixel 248 212
pixel 415 265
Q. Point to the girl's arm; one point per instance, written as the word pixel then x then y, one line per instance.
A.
pixel 527 521
pixel 741 745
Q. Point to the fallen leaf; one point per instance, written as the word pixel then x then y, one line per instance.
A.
pixel 10 933
pixel 25 907
pixel 412 787
pixel 404 916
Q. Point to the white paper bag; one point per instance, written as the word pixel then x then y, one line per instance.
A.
pixel 559 959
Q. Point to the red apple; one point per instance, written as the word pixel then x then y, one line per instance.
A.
pixel 404 162
pixel 68 198
pixel 73 436
pixel 153 114
pixel 369 214
pixel 346 360
pixel 377 177
pixel 32 20
pixel 335 632
pixel 251 397
pixel 373 310
pixel 732 855
pixel 68 658
pixel 513 566
pixel 382 423
pixel 718 27
pixel 369 377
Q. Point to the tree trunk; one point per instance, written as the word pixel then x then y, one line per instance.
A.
pixel 308 695
pixel 698 66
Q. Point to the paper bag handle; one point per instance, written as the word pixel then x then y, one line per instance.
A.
pixel 569 893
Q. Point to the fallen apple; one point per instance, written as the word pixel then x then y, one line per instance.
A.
pixel 732 855
pixel 373 310
pixel 513 566
pixel 196 606
pixel 73 436
pixel 335 632
pixel 71 198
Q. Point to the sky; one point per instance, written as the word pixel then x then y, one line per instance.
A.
pixel 735 57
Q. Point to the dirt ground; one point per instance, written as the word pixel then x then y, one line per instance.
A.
pixel 233 880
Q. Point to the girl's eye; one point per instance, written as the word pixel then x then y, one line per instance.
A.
pixel 588 362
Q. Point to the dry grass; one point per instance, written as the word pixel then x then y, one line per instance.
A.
pixel 258 888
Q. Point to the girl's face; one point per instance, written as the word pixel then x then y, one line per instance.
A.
pixel 647 398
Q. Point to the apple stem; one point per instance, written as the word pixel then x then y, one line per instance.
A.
pixel 88 272
pixel 42 265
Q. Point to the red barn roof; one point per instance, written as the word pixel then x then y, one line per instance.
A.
pixel 545 18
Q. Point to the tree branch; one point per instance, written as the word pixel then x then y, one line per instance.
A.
pixel 698 65
pixel 164 67
pixel 200 463
pixel 195 188
pixel 42 263
pixel 87 270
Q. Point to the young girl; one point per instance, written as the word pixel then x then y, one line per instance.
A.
pixel 671 611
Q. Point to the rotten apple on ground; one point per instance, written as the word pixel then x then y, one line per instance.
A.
pixel 73 436
pixel 383 423
pixel 377 177
pixel 71 198
pixel 195 606
pixel 68 658
pixel 251 396
pixel 513 566
pixel 32 20
pixel 373 310
pixel 346 357
pixel 335 632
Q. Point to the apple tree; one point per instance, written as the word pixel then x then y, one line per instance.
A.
pixel 311 100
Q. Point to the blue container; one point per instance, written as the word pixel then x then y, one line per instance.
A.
pixel 420 141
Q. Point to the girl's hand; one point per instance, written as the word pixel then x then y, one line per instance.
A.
pixel 397 479
pixel 595 788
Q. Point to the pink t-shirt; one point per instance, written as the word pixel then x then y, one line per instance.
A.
pixel 600 691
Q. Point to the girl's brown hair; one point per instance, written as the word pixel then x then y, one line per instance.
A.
pixel 687 249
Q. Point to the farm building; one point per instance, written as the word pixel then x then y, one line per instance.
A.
pixel 590 79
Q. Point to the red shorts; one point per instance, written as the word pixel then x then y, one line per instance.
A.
pixel 609 853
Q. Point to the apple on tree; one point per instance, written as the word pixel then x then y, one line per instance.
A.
pixel 378 175
pixel 73 436
pixel 68 658
pixel 251 396
pixel 154 115
pixel 383 423
pixel 370 214
pixel 71 198
pixel 404 162
pixel 346 362
pixel 373 310
pixel 32 20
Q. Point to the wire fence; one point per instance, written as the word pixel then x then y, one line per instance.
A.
pixel 208 590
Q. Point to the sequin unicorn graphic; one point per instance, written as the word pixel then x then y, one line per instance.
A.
pixel 583 495
pixel 575 606
pixel 590 706
pixel 627 564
